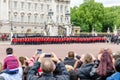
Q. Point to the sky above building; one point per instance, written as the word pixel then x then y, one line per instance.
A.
pixel 106 3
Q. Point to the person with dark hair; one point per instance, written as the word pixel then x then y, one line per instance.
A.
pixel 70 59
pixel 11 63
pixel 12 70
pixel 48 67
pixel 71 54
pixel 105 67
pixel 73 75
pixel 116 75
pixel 22 61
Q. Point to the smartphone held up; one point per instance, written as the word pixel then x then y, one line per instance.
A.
pixel 48 55
pixel 39 51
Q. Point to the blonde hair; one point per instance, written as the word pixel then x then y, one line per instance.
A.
pixel 69 67
pixel 88 58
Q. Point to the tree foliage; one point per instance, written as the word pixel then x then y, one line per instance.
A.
pixel 91 15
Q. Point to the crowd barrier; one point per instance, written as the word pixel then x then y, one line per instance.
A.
pixel 56 40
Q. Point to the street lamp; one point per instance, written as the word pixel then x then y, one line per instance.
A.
pixel 11 26
pixel 45 29
pixel 72 31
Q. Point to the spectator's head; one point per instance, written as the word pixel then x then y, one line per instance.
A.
pixel 87 58
pixel 22 60
pixel 73 75
pixel 117 65
pixel 106 63
pixel 71 54
pixel 47 65
pixel 116 55
pixel 103 50
pixel 69 67
pixel 9 51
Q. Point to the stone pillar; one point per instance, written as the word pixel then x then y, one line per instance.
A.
pixel 55 30
pixel 4 16
pixel 4 9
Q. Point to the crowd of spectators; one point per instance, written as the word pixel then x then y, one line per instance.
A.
pixel 106 66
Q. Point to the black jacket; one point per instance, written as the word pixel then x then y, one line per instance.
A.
pixel 84 71
pixel 69 61
pixel 48 76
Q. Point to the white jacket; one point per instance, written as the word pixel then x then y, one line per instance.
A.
pixel 17 76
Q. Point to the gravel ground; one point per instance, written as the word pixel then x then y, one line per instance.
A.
pixel 61 50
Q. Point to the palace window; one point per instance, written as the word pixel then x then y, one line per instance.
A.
pixel 35 18
pixel 66 8
pixel 29 5
pixel 15 5
pixel 22 5
pixel 57 8
pixel 15 18
pixel 41 7
pixel 35 6
pixel 41 18
pixel 61 8
pixel 28 18
pixel 22 18
pixel 57 19
pixel 48 7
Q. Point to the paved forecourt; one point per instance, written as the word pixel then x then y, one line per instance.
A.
pixel 60 49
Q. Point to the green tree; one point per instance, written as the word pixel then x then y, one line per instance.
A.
pixel 74 16
pixel 111 18
pixel 108 19
pixel 117 16
pixel 88 15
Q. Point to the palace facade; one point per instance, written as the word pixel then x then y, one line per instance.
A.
pixel 47 17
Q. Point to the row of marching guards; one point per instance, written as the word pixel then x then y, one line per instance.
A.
pixel 57 40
